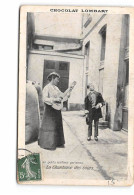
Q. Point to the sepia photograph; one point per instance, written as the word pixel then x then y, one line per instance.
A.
pixel 74 96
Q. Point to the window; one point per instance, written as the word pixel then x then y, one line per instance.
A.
pixel 103 42
pixel 45 47
pixel 87 55
pixel 40 47
pixel 127 17
pixel 63 65
pixel 127 73
pixel 48 47
pixel 50 64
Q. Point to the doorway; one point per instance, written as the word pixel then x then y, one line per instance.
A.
pixel 62 68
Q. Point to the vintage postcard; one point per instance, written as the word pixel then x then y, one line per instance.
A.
pixel 76 96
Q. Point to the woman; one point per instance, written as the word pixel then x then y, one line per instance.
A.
pixel 51 133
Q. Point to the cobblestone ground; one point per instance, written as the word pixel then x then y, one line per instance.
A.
pixel 105 159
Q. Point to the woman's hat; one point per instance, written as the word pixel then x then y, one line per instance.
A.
pixel 53 73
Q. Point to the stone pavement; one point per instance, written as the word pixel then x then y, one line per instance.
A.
pixel 103 160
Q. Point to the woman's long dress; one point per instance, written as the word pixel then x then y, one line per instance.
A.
pixel 51 132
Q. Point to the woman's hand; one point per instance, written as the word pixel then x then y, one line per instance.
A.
pixel 86 112
pixel 57 100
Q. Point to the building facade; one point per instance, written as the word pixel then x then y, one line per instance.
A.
pixel 106 63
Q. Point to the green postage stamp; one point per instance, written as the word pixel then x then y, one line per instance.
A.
pixel 29 168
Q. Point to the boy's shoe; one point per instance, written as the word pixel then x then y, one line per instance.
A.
pixel 89 138
pixel 96 138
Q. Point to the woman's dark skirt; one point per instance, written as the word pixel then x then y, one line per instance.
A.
pixel 51 132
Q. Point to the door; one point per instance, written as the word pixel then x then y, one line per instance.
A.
pixel 62 68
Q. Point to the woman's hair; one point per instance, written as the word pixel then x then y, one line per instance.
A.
pixel 52 77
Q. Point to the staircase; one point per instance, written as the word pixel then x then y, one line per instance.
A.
pixel 103 123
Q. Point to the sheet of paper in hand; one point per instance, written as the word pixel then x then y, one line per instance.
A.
pixel 76 95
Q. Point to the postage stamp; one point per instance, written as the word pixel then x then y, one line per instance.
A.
pixel 29 168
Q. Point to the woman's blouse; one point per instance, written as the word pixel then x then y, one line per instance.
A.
pixel 50 92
